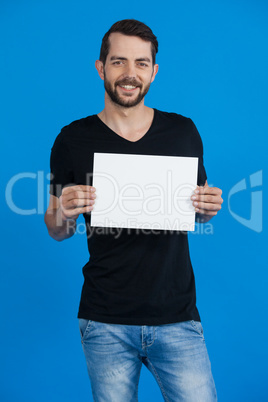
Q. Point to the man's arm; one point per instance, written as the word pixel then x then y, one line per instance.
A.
pixel 207 202
pixel 63 212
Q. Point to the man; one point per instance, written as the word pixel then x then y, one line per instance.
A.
pixel 138 301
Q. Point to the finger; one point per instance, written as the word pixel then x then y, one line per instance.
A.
pixel 207 206
pixel 83 188
pixel 71 214
pixel 77 203
pixel 68 202
pixel 210 190
pixel 213 199
pixel 78 194
pixel 208 198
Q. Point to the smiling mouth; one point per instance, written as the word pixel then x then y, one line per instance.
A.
pixel 128 87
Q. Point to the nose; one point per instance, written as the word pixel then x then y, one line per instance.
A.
pixel 131 70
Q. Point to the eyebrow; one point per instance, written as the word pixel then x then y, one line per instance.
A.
pixel 124 58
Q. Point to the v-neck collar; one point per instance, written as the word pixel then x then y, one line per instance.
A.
pixel 108 129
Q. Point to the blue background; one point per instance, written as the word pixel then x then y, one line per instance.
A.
pixel 213 68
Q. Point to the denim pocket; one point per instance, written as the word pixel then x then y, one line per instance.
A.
pixel 84 328
pixel 198 327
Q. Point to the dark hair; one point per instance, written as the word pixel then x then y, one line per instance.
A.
pixel 131 28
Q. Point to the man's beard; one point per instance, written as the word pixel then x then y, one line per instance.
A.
pixel 123 101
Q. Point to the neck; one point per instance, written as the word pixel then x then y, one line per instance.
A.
pixel 122 120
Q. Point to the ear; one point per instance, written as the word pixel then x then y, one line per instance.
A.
pixel 155 71
pixel 100 68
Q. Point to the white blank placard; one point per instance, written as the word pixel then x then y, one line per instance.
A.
pixel 144 191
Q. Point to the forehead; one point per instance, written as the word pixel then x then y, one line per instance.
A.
pixel 128 46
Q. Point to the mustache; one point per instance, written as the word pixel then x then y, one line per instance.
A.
pixel 128 81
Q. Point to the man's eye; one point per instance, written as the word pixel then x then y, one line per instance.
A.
pixel 143 64
pixel 117 62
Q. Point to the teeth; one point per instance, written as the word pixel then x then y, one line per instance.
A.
pixel 128 86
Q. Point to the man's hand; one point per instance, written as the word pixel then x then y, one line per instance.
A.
pixel 207 201
pixel 76 200
pixel 62 212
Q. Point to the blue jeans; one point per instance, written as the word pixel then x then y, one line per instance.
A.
pixel 175 354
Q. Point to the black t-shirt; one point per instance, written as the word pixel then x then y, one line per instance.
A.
pixel 137 277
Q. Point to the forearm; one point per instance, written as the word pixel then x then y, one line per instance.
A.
pixel 57 228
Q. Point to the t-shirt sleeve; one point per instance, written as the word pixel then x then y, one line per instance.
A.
pixel 198 145
pixel 60 166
